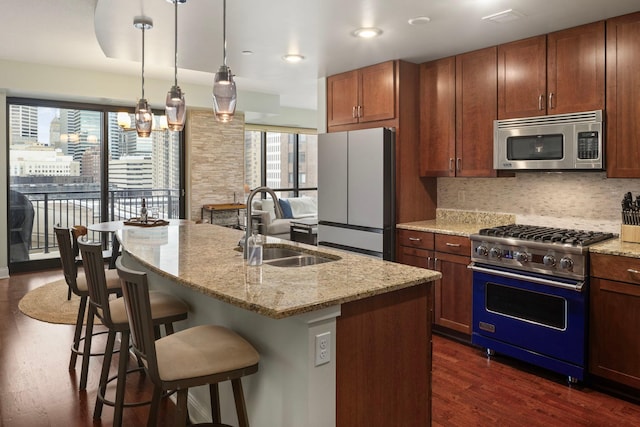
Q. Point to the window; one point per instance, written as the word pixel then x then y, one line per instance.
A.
pixel 285 161
pixel 71 164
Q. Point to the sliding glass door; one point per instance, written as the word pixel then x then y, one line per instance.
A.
pixel 72 164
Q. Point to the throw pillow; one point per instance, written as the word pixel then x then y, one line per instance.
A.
pixel 286 208
pixel 267 205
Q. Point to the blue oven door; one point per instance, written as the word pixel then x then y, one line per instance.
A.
pixel 532 317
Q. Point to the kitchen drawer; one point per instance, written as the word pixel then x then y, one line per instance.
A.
pixel 618 268
pixel 416 257
pixel 458 245
pixel 416 239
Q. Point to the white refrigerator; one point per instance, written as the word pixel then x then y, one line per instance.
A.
pixel 356 189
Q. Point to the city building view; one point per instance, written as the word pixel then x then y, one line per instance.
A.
pixel 56 159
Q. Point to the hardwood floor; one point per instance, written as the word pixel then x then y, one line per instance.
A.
pixel 37 389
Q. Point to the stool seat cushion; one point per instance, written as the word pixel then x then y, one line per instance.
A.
pixel 113 281
pixel 163 306
pixel 203 350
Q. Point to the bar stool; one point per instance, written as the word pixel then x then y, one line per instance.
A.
pixel 164 310
pixel 77 283
pixel 200 355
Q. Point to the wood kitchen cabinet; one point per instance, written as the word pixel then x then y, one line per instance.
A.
pixel 623 97
pixel 454 291
pixel 363 95
pixel 614 338
pixel 562 72
pixel 449 255
pixel 438 117
pixel 458 98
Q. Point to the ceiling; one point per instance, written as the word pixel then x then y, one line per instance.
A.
pixel 99 35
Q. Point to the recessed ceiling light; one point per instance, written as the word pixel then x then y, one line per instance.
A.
pixel 419 20
pixel 504 16
pixel 247 52
pixel 367 33
pixel 293 58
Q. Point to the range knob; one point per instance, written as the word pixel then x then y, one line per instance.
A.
pixel 495 253
pixel 482 250
pixel 549 260
pixel 566 263
pixel 521 257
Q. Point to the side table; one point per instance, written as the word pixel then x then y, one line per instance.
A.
pixel 304 231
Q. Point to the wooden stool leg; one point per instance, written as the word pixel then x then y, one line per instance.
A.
pixel 78 332
pixel 104 376
pixel 122 378
pixel 214 397
pixel 241 409
pixel 88 332
pixel 181 407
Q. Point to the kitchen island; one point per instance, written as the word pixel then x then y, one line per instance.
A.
pixel 375 316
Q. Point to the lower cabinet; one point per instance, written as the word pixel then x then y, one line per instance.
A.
pixel 454 290
pixel 614 347
pixel 449 255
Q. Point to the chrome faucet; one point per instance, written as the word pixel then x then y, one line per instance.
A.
pixel 276 206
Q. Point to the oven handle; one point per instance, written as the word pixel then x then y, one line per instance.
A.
pixel 577 287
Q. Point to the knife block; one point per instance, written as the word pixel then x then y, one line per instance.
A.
pixel 630 233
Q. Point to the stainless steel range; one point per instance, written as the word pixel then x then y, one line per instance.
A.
pixel 530 294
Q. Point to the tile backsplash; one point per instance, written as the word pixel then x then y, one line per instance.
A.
pixel 583 200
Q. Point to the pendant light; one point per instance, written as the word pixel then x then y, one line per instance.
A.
pixel 224 88
pixel 175 107
pixel 144 117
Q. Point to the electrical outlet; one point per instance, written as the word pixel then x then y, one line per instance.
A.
pixel 323 348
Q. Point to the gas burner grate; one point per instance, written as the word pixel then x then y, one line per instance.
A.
pixel 547 234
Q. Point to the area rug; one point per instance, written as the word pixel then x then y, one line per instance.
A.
pixel 49 303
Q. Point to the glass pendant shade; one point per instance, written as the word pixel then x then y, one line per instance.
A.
pixel 224 94
pixel 144 118
pixel 175 109
pixel 175 105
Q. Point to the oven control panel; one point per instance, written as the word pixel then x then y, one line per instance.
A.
pixel 549 260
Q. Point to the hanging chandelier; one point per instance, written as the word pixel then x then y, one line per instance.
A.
pixel 224 88
pixel 175 106
pixel 143 115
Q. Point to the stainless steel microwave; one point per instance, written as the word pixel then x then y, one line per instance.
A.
pixel 555 142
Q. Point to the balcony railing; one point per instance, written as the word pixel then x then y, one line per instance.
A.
pixel 69 208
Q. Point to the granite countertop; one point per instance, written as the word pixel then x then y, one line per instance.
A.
pixel 459 223
pixel 202 257
pixel 616 247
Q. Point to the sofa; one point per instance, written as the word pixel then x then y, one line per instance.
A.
pixel 292 208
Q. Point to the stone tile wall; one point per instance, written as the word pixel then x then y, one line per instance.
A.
pixel 586 200
pixel 215 161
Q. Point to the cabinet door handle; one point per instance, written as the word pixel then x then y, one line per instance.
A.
pixel 551 100
pixel 634 273
pixel 541 102
pixel 435 263
pixel 353 112
pixel 451 164
pixel 458 164
pixel 429 262
pixel 454 245
pixel 415 239
pixel 359 110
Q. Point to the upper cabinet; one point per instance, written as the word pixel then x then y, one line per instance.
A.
pixel 438 117
pixel 363 95
pixel 457 110
pixel 562 72
pixel 623 97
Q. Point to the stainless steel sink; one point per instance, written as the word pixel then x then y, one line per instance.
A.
pixel 269 253
pixel 298 261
